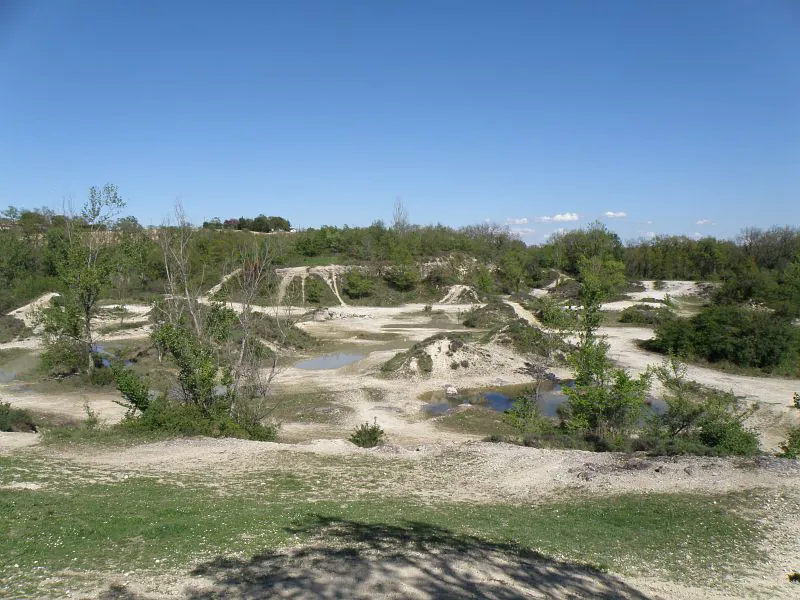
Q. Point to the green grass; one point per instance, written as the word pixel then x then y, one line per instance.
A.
pixel 312 407
pixel 150 525
pixel 476 420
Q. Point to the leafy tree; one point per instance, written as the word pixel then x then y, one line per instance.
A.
pixel 606 402
pixel 84 270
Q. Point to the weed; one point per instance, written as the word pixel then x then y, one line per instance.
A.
pixel 15 419
pixel 367 435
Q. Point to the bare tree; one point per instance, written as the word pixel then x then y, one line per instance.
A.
pixel 182 290
pixel 400 217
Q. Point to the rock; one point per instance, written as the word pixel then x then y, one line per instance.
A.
pixel 661 469
pixel 688 470
pixel 450 390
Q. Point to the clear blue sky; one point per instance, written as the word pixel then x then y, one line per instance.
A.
pixel 326 111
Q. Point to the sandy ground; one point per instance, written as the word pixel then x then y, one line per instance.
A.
pixel 448 466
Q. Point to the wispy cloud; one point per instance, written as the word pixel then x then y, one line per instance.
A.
pixel 520 221
pixel 705 222
pixel 615 215
pixel 560 218
pixel 523 231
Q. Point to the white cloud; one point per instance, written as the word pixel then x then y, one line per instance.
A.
pixel 705 222
pixel 559 218
pixel 520 221
pixel 649 222
pixel 523 231
pixel 615 215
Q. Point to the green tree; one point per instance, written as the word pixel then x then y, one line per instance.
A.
pixel 84 269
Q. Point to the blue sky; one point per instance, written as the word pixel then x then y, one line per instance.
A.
pixel 683 116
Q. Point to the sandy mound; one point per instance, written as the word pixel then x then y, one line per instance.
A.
pixel 27 313
pixel 445 356
pixel 460 294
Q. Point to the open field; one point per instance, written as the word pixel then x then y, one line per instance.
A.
pixel 435 512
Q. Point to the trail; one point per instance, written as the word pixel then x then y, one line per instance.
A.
pixel 224 280
pixel 525 314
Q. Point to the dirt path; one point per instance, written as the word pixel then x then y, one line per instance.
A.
pixel 524 313
pixel 27 313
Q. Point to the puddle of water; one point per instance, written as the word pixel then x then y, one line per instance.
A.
pixel 550 399
pixel 329 361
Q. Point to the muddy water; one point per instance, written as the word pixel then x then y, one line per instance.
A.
pixel 329 361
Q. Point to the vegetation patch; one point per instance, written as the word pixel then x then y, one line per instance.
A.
pixel 12 329
pixel 80 529
pixel 16 419
pixel 736 335
pixel 492 315
pixel 642 314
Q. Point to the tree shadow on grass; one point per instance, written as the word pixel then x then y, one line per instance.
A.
pixel 351 559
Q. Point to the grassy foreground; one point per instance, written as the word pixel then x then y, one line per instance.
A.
pixel 75 528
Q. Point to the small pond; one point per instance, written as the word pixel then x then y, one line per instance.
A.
pixel 329 361
pixel 500 399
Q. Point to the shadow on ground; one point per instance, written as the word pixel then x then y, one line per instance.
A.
pixel 353 560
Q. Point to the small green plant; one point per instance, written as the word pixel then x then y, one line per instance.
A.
pixel 454 365
pixel 465 363
pixel 367 435
pixel 92 419
pixel 796 400
pixel 427 308
pixel 794 577
pixel 791 447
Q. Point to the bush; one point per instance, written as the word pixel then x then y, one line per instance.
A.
pixel 641 314
pixel 740 336
pixel 64 358
pixel 791 447
pixel 367 435
pixel 11 328
pixel 15 419
pixel 402 277
pixel 133 389
pixel 356 285
pixel 314 290
pixel 188 419
pixel 102 376
pixel 698 420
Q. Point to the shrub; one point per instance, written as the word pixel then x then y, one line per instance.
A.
pixel 133 389
pixel 15 419
pixel 791 447
pixel 526 417
pixel 641 314
pixel 12 328
pixel 102 376
pixel 741 336
pixel 454 365
pixel 402 277
pixel 367 435
pixel 314 290
pixel 796 400
pixel 189 419
pixel 698 420
pixel 63 358
pixel 356 285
